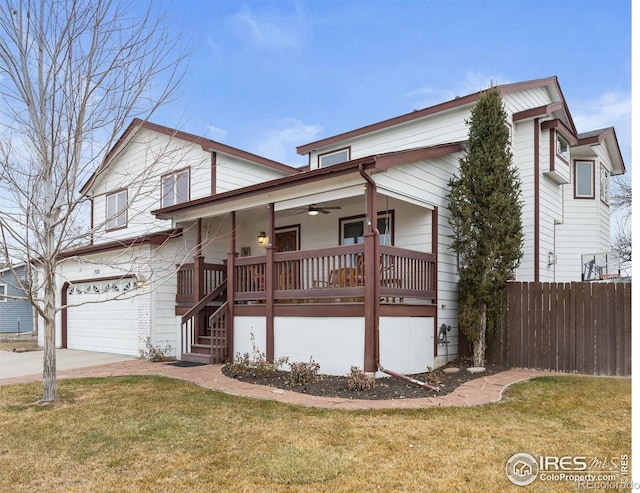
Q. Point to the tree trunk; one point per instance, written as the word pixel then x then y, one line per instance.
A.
pixel 49 380
pixel 480 343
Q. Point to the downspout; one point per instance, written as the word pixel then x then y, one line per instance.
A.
pixel 376 232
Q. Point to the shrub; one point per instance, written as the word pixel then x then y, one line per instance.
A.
pixel 255 363
pixel 304 373
pixel 359 380
pixel 155 354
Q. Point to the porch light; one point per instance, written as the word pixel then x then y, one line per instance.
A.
pixel 262 237
pixel 313 210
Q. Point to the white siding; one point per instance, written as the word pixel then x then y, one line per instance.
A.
pixel 233 173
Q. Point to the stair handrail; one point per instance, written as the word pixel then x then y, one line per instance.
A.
pixel 204 301
pixel 216 316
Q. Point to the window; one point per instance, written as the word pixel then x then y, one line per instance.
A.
pixel 352 229
pixel 117 210
pixel 562 147
pixel 334 157
pixel 3 292
pixel 584 179
pixel 175 188
pixel 604 184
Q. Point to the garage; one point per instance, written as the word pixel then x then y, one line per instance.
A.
pixel 102 315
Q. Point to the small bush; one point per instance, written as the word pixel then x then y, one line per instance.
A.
pixel 359 380
pixel 255 363
pixel 304 373
pixel 155 354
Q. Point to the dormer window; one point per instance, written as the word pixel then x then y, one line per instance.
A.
pixel 175 188
pixel 333 157
pixel 562 147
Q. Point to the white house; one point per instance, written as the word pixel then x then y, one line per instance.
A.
pixel 346 261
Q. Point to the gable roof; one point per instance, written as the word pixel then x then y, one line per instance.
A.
pixel 207 145
pixel 550 82
pixel 606 136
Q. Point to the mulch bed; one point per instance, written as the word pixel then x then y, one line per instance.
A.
pixel 385 388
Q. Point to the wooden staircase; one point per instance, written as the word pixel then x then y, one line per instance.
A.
pixel 204 329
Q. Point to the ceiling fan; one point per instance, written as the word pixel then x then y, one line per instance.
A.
pixel 313 210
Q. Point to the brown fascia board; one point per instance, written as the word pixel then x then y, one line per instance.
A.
pixel 153 239
pixel 376 163
pixel 386 161
pixel 573 140
pixel 432 110
pixel 597 137
pixel 207 145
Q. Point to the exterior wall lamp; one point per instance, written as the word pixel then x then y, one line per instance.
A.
pixel 262 238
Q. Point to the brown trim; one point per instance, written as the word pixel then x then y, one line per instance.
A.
pixel 270 286
pixel 91 220
pixel 602 136
pixel 154 239
pixel 64 320
pixel 231 308
pixel 322 310
pixel 604 169
pixel 363 217
pixel 265 187
pixel 173 173
pixel 538 112
pixel 370 163
pixel 536 199
pixel 284 229
pixel 126 209
pixel 386 161
pixel 334 151
pixel 568 135
pixel 206 144
pixel 414 115
pixel 214 173
pixel 434 251
pixel 575 179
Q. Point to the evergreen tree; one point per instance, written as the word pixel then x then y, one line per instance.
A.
pixel 486 219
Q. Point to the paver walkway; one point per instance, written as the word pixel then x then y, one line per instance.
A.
pixel 483 390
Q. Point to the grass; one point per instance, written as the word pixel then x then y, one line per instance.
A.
pixel 139 434
pixel 18 342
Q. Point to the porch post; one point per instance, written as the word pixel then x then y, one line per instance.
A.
pixel 198 277
pixel 433 276
pixel 372 284
pixel 231 288
pixel 269 286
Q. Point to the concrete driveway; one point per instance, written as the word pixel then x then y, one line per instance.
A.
pixel 30 363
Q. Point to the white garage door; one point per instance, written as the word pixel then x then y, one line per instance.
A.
pixel 108 319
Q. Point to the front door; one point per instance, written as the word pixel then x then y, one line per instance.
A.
pixel 287 241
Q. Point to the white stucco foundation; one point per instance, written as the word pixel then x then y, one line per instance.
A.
pixel 337 343
pixel 406 344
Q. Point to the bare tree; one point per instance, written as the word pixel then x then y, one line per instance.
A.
pixel 621 204
pixel 73 74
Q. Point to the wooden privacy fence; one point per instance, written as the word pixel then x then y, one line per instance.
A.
pixel 577 327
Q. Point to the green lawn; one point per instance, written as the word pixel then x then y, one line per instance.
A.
pixel 135 434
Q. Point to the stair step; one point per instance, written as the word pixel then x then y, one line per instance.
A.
pixel 196 358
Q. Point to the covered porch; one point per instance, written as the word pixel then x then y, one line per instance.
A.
pixel 352 283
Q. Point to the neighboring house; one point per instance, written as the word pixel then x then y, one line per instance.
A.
pixel 346 261
pixel 16 313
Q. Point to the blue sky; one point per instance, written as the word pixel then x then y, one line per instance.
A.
pixel 267 76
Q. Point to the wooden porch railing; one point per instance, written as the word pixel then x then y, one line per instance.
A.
pixel 336 274
pixel 214 275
